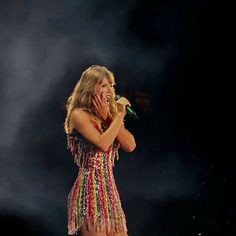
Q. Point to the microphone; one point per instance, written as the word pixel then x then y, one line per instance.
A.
pixel 129 110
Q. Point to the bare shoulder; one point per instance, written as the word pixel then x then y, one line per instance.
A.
pixel 78 112
pixel 80 121
pixel 78 115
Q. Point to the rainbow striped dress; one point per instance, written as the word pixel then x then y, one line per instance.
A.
pixel 94 201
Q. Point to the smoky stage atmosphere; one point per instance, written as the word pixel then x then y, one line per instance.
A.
pixel 170 59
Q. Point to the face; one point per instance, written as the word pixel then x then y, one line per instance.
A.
pixel 105 87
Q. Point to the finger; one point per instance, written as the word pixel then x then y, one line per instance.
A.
pixel 121 107
pixel 95 104
pixel 103 99
pixel 97 99
pixel 125 101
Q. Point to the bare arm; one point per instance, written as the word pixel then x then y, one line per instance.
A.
pixel 126 139
pixel 82 123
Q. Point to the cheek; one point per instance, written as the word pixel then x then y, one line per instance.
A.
pixel 98 90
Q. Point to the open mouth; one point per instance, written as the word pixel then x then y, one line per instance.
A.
pixel 108 97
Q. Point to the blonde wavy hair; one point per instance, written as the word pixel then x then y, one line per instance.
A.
pixel 81 95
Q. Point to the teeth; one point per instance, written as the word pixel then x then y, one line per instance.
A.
pixel 108 97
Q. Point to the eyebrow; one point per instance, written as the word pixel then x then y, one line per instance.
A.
pixel 113 84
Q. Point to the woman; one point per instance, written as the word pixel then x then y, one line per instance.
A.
pixel 95 131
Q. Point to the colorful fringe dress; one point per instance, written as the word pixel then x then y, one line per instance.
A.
pixel 94 200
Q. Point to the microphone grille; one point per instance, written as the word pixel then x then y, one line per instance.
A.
pixel 117 97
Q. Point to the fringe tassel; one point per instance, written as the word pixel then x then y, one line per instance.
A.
pixel 80 148
pixel 97 225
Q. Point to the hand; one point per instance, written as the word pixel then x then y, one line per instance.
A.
pixel 101 105
pixel 121 105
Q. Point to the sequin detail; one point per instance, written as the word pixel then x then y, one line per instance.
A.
pixel 94 200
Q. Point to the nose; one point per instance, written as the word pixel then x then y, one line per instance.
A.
pixel 109 90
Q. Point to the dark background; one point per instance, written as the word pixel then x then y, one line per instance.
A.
pixel 171 59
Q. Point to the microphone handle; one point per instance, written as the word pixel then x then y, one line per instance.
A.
pixel 131 112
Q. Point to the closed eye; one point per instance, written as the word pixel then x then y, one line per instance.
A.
pixel 106 85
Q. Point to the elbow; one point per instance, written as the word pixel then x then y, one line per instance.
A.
pixel 103 147
pixel 130 148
